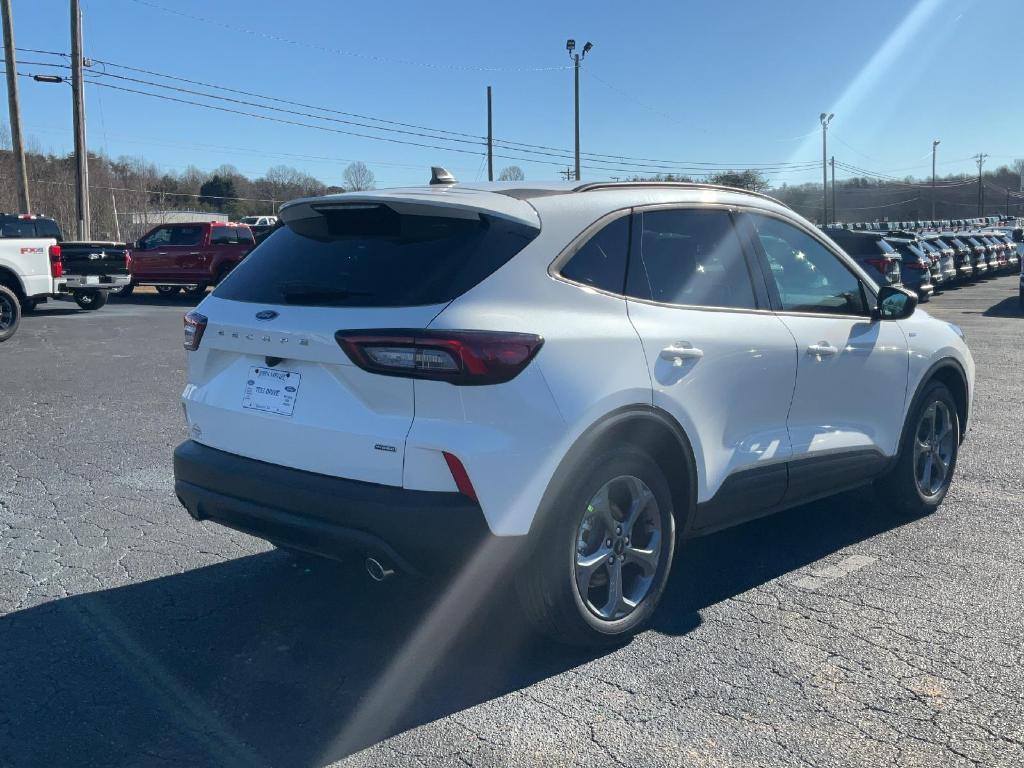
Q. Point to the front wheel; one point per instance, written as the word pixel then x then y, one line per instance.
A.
pixel 10 313
pixel 90 299
pixel 918 482
pixel 601 555
pixel 168 290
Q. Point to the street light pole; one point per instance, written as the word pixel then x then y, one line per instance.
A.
pixel 570 46
pixel 935 144
pixel 826 118
pixel 78 110
pixel 832 162
pixel 12 102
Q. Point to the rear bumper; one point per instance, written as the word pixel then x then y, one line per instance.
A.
pixel 97 282
pixel 419 532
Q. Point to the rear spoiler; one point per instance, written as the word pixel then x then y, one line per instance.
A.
pixel 422 201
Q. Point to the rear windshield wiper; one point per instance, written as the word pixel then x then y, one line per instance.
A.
pixel 307 292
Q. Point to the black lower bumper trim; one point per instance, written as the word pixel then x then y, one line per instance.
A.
pixel 417 531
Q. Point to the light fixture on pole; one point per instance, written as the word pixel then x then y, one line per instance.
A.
pixel 826 118
pixel 570 46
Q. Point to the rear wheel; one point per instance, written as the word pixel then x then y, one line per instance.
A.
pixel 90 299
pixel 125 290
pixel 928 453
pixel 601 557
pixel 196 291
pixel 168 290
pixel 10 313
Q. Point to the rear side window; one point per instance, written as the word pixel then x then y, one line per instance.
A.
pixel 690 257
pixel 601 261
pixel 243 235
pixel 223 235
pixel 18 229
pixel 374 256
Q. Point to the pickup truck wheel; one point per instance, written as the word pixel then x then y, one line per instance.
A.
pixel 196 291
pixel 90 299
pixel 167 290
pixel 124 291
pixel 10 313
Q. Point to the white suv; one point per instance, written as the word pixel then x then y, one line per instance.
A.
pixel 559 379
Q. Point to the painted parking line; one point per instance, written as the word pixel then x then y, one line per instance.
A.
pixel 819 577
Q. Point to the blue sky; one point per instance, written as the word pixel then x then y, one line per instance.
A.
pixel 735 83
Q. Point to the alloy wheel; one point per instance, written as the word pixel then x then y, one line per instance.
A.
pixel 618 548
pixel 934 444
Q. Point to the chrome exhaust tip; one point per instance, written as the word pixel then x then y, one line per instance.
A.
pixel 377 571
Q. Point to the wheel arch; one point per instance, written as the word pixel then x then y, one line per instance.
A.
pixel 649 429
pixel 950 373
pixel 11 280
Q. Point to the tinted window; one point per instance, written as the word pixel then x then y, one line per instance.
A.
pixel 601 261
pixel 809 277
pixel 48 228
pixel 18 229
pixel 157 237
pixel 692 258
pixel 186 235
pixel 243 235
pixel 373 256
pixel 222 235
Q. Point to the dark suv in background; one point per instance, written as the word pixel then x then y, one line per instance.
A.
pixel 872 252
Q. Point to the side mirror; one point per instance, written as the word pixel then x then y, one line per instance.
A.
pixel 895 303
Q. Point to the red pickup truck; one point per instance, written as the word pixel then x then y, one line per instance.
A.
pixel 192 256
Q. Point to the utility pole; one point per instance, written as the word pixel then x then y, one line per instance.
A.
pixel 980 159
pixel 567 174
pixel 935 144
pixel 490 139
pixel 570 46
pixel 15 109
pixel 78 109
pixel 826 118
pixel 832 162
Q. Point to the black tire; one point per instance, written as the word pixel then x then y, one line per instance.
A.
pixel 546 580
pixel 1021 300
pixel 900 487
pixel 90 300
pixel 168 290
pixel 124 291
pixel 10 313
pixel 196 291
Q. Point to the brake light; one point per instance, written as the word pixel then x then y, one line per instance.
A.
pixel 195 325
pixel 460 475
pixel 56 264
pixel 459 357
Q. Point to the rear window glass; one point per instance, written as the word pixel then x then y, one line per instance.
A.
pixel 374 256
pixel 29 228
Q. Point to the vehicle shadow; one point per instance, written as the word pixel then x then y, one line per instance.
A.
pixel 1008 307
pixel 155 299
pixel 262 660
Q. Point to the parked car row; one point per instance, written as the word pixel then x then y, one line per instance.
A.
pixel 926 256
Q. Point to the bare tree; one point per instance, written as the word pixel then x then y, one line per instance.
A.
pixel 1018 168
pixel 511 173
pixel 358 177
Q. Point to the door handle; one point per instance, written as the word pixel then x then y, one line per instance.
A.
pixel 679 352
pixel 822 349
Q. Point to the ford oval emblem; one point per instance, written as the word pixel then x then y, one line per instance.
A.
pixel 266 314
pixel 289 389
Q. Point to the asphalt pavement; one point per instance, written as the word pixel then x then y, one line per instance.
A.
pixel 837 634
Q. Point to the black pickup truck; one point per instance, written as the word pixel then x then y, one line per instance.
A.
pixel 92 269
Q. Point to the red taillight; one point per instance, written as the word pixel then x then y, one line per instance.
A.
pixel 460 476
pixel 458 357
pixel 195 324
pixel 56 265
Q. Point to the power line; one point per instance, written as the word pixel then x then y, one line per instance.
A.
pixel 653 164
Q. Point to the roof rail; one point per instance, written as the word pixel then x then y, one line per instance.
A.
pixel 592 185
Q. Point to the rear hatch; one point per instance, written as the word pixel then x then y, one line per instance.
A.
pixel 94 258
pixel 270 382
